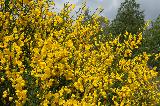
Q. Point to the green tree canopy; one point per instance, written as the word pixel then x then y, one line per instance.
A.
pixel 151 42
pixel 152 37
pixel 129 18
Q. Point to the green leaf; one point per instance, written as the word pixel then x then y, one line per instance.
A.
pixel 6 4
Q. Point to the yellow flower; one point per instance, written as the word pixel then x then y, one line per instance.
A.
pixel 118 77
pixel 5 94
pixel 73 6
pixel 69 75
pixel 37 12
pixel 19 63
pixel 126 33
pixel 127 53
pixel 122 103
pixel 129 80
pixel 10 98
pixel 26 1
pixel 56 97
pixel 2 79
pixel 49 14
pixel 104 94
pixel 95 83
pixel 15 30
pixel 42 65
pixel 70 43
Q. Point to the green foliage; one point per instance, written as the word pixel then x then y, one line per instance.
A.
pixel 151 42
pixel 129 18
pixel 152 37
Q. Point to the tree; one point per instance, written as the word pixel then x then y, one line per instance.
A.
pixel 151 42
pixel 152 37
pixel 129 18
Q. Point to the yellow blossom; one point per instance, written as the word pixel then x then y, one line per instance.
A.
pixel 10 98
pixel 15 30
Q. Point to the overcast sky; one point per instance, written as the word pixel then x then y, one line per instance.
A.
pixel 151 7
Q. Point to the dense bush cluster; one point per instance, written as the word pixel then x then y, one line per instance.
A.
pixel 49 58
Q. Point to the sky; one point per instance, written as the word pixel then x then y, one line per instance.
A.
pixel 151 7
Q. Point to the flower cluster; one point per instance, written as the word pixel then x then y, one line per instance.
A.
pixel 49 58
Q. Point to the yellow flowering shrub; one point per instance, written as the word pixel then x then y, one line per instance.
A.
pixel 49 58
